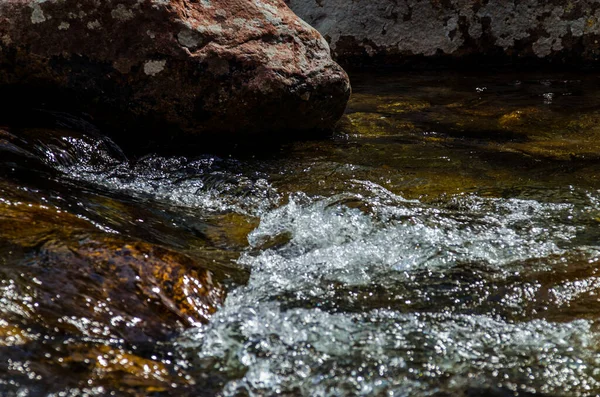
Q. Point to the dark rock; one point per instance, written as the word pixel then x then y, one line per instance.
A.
pixel 204 68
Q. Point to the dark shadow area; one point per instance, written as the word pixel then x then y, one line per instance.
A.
pixel 29 107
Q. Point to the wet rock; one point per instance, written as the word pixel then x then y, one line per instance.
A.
pixel 65 273
pixel 70 271
pixel 111 367
pixel 81 308
pixel 416 29
pixel 205 69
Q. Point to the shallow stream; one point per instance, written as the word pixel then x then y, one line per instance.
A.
pixel 445 241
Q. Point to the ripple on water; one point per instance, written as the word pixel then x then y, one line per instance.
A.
pixel 205 182
pixel 208 183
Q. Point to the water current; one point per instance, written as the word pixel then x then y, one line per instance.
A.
pixel 444 241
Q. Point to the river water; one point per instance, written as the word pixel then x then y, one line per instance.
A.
pixel 445 241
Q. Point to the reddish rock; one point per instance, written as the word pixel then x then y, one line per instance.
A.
pixel 198 66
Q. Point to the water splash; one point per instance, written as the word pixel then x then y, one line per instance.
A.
pixel 208 183
pixel 311 322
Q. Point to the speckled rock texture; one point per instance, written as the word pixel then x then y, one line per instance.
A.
pixel 200 67
pixel 403 29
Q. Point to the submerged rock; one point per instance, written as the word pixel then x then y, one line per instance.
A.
pixel 205 68
pixel 81 308
pixel 72 271
pixel 402 30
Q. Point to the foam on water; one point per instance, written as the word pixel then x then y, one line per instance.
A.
pixel 279 334
pixel 330 241
pixel 312 352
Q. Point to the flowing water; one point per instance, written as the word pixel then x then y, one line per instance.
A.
pixel 445 241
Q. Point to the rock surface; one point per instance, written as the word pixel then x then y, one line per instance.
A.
pixel 404 29
pixel 201 67
pixel 71 270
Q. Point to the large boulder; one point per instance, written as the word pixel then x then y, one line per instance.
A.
pixel 405 30
pixel 201 67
